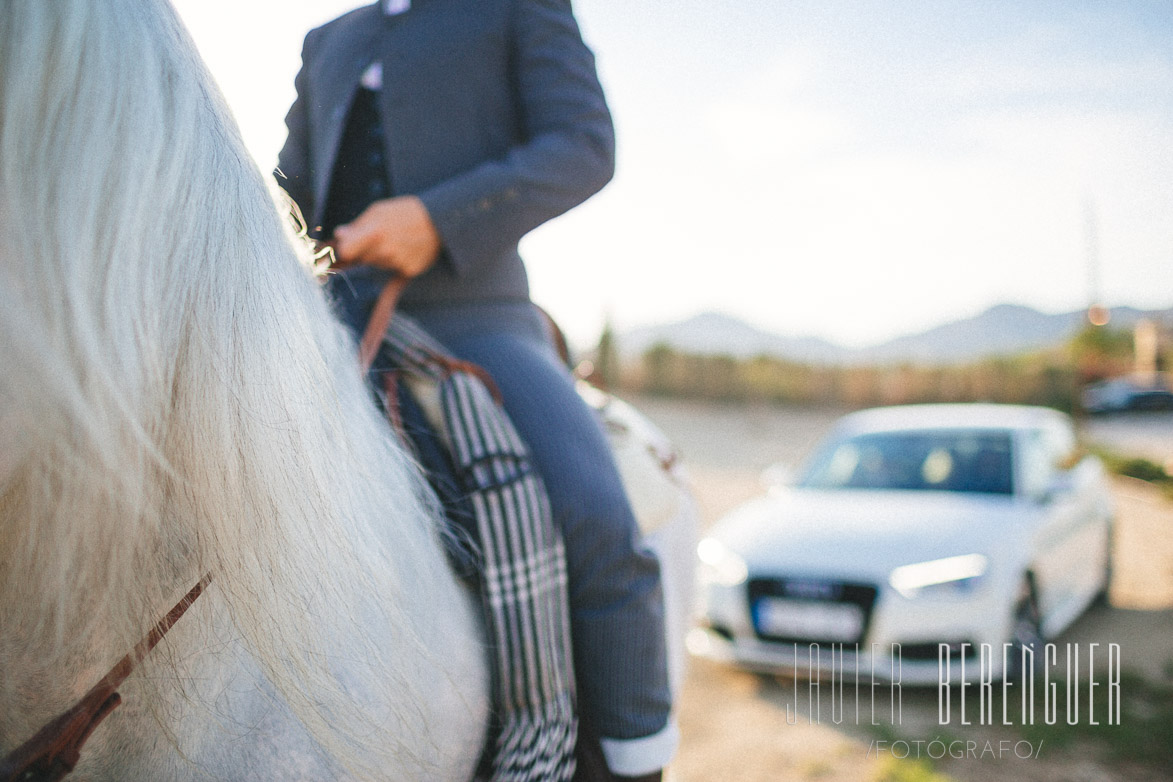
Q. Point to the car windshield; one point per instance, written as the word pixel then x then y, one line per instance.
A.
pixel 960 461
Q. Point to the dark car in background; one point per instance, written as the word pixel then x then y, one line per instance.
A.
pixel 1126 394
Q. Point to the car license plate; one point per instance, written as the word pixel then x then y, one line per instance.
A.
pixel 808 619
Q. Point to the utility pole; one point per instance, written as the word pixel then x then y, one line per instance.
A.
pixel 1097 313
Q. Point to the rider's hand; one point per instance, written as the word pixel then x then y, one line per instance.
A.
pixel 395 234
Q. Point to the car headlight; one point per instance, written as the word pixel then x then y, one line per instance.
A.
pixel 963 571
pixel 719 565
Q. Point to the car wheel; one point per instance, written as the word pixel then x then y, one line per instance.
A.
pixel 1026 630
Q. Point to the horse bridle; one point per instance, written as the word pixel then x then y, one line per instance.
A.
pixel 54 750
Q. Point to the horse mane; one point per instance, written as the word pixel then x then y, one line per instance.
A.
pixel 175 397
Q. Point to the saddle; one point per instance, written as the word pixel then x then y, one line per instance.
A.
pixel 504 540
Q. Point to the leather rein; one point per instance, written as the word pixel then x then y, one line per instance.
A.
pixel 55 749
pixel 380 319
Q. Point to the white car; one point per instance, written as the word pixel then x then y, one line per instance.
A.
pixel 911 528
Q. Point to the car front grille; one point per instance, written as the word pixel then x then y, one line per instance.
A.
pixel 930 652
pixel 810 611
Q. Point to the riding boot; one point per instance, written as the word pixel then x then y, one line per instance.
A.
pixel 591 766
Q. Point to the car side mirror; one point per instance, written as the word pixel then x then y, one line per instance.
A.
pixel 1062 484
pixel 778 475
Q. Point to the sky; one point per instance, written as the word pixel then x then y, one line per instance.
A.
pixel 849 169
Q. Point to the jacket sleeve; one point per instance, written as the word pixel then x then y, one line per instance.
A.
pixel 293 162
pixel 566 151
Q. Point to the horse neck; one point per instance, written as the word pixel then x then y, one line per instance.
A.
pixel 222 671
pixel 256 455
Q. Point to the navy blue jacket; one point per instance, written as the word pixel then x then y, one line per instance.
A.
pixel 492 113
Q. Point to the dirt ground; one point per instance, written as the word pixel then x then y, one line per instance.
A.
pixel 740 726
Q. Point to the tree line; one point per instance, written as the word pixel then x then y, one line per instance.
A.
pixel 1053 378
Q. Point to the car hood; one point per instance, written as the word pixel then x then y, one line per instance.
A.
pixel 865 534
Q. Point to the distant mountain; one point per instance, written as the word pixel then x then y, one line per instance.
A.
pixel 1001 330
pixel 714 333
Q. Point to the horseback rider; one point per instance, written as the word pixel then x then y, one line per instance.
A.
pixel 427 137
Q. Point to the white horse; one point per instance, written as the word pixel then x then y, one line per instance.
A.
pixel 176 400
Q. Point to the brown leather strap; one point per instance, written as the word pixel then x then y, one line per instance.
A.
pixel 381 313
pixel 380 319
pixel 450 364
pixel 558 337
pixel 55 749
pixel 391 403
